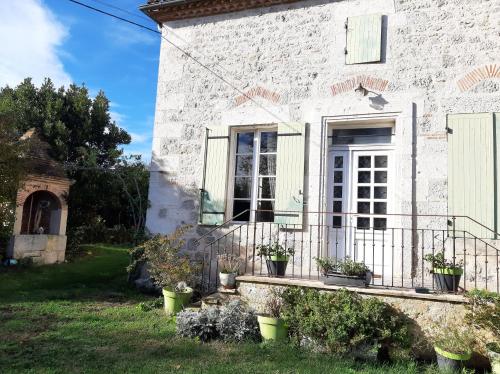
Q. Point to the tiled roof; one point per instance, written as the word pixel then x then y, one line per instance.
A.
pixel 170 10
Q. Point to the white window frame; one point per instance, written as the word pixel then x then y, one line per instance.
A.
pixel 254 199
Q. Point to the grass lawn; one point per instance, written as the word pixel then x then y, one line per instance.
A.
pixel 81 317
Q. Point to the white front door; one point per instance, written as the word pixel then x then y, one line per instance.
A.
pixel 359 201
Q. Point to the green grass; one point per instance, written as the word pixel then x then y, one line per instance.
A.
pixel 81 317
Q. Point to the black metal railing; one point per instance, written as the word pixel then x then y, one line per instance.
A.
pixel 394 252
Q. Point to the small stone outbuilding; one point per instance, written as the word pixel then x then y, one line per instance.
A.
pixel 41 209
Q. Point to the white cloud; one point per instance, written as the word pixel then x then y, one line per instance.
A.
pixel 31 41
pixel 117 117
pixel 139 138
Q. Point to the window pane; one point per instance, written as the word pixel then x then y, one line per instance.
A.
pixel 363 223
pixel 364 192
pixel 380 223
pixel 267 165
pixel 265 211
pixel 380 208
pixel 380 161
pixel 337 192
pixel 338 176
pixel 337 221
pixel 244 165
pixel 339 162
pixel 380 177
pixel 380 192
pixel 364 177
pixel 240 206
pixel 244 142
pixel 242 187
pixel 365 162
pixel 267 188
pixel 337 206
pixel 362 136
pixel 363 207
pixel 268 142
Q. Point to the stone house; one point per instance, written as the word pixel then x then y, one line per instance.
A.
pixel 341 128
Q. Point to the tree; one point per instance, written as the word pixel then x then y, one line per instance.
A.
pixel 13 150
pixel 86 140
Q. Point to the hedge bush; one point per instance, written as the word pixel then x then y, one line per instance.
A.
pixel 343 321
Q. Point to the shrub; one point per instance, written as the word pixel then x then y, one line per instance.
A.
pixel 346 267
pixel 201 325
pixel 237 323
pixel 167 266
pixel 229 264
pixel 483 311
pixel 343 321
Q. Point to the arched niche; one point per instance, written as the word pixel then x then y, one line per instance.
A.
pixel 41 214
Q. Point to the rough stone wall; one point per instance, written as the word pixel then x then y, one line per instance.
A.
pixel 296 53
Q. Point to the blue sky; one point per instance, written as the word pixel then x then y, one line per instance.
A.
pixel 68 43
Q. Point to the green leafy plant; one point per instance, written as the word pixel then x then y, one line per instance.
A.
pixel 343 321
pixel 483 311
pixel 274 249
pixel 229 264
pixel 347 266
pixel 352 268
pixel 438 261
pixel 167 265
pixel 452 339
pixel 147 306
pixel 326 264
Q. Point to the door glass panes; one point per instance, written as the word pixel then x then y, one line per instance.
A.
pixel 364 162
pixel 371 197
pixel 380 161
pixel 338 190
pixel 266 176
pixel 380 192
pixel 374 135
pixel 255 175
pixel 363 223
pixel 380 177
pixel 364 192
pixel 364 177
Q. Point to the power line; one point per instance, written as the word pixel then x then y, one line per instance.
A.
pixel 216 74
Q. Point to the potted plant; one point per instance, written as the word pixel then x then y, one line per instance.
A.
pixel 229 266
pixel 170 269
pixel 344 272
pixel 271 325
pixel 483 312
pixel 446 273
pixel 453 348
pixel 276 257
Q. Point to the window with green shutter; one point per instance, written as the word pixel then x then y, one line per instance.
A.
pixel 473 172
pixel 364 39
pixel 290 175
pixel 215 171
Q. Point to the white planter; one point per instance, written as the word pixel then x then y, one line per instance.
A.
pixel 228 280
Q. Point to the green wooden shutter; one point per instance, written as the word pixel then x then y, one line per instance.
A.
pixel 215 174
pixel 364 39
pixel 290 174
pixel 472 172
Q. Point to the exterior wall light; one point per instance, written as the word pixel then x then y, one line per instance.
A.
pixel 361 91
